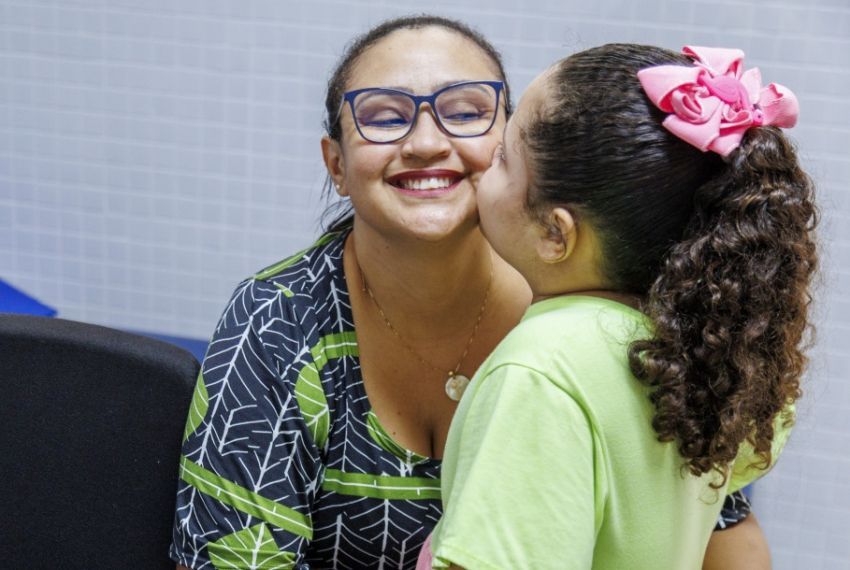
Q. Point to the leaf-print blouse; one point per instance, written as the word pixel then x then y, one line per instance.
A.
pixel 283 461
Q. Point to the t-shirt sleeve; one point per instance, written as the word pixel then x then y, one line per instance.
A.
pixel 249 466
pixel 748 467
pixel 529 484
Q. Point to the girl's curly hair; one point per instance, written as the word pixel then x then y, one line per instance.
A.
pixel 722 251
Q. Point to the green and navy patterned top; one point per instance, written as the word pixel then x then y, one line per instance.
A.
pixel 284 464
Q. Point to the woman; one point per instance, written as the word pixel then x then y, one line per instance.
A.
pixel 286 460
pixel 662 349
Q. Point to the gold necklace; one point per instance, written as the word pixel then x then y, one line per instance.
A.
pixel 455 383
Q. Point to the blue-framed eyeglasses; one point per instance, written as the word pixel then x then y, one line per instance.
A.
pixel 466 109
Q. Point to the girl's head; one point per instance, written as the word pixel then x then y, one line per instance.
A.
pixel 424 181
pixel 594 143
pixel 720 249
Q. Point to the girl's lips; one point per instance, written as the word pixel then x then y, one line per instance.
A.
pixel 424 183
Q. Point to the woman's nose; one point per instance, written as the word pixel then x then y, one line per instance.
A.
pixel 427 139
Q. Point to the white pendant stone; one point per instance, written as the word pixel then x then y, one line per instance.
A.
pixel 455 386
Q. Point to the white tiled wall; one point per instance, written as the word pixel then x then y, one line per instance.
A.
pixel 154 152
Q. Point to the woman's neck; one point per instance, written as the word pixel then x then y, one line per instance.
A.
pixel 422 282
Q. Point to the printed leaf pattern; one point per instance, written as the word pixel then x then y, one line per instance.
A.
pixel 382 438
pixel 198 407
pixel 252 548
pixel 283 460
pixel 736 507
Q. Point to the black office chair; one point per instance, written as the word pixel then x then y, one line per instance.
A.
pixel 91 422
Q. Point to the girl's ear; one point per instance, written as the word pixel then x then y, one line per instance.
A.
pixel 559 239
pixel 335 163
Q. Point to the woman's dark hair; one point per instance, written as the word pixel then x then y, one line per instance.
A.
pixel 721 250
pixel 339 212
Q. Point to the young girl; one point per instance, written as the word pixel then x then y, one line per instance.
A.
pixel 666 230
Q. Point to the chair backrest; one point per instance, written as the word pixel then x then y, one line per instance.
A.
pixel 91 422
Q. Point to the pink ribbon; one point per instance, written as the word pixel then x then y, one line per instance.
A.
pixel 714 102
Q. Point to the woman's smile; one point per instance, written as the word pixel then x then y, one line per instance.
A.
pixel 428 183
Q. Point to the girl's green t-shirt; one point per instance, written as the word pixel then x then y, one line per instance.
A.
pixel 552 461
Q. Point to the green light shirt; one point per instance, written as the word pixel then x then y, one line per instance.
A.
pixel 552 461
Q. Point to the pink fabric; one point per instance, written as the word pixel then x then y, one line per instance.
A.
pixel 714 102
pixel 425 555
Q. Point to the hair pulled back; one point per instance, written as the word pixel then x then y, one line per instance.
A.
pixel 340 213
pixel 721 250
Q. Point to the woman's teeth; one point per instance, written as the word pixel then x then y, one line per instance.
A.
pixel 425 183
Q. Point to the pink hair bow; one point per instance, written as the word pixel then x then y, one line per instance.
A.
pixel 714 102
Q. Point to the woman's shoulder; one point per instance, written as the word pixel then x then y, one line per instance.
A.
pixel 293 291
pixel 317 262
pixel 286 314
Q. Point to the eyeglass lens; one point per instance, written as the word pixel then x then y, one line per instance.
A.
pixel 463 110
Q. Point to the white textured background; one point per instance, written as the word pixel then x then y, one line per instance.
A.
pixel 155 152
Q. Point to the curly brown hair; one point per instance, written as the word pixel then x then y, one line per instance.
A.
pixel 721 251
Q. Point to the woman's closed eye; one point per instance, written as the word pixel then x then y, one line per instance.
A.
pixel 464 116
pixel 385 120
pixel 382 116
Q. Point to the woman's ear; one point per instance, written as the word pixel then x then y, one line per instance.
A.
pixel 335 163
pixel 559 238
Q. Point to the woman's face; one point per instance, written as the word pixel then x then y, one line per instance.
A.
pixel 423 185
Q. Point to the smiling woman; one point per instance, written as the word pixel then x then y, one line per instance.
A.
pixel 321 414
pixel 322 411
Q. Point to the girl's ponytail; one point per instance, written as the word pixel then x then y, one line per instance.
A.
pixel 730 307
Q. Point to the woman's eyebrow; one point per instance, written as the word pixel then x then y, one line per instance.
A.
pixel 434 88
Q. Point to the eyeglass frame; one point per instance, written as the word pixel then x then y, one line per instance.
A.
pixel 349 96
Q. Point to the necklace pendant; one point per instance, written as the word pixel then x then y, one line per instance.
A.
pixel 455 386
